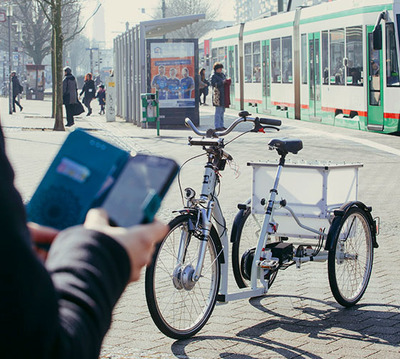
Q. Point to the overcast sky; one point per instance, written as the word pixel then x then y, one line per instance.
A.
pixel 118 12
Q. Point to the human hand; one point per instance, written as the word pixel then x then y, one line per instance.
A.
pixel 42 238
pixel 138 241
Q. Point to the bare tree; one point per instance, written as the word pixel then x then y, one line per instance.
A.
pixel 190 7
pixel 55 11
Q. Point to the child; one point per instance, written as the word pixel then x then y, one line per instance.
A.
pixel 101 96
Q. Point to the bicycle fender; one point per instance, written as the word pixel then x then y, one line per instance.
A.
pixel 337 220
pixel 243 212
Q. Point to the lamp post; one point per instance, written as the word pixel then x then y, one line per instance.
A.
pixel 10 98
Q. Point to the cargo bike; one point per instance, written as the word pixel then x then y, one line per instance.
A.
pixel 297 213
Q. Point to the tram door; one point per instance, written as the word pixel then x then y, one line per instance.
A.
pixel 231 73
pixel 315 75
pixel 375 85
pixel 266 80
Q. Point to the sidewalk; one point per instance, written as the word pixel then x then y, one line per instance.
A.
pixel 299 317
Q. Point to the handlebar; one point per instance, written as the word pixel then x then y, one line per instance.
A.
pixel 244 117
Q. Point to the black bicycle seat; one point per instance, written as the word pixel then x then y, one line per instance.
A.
pixel 286 145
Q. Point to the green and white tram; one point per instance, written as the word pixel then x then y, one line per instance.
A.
pixel 323 63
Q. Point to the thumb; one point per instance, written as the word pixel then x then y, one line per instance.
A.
pixel 96 217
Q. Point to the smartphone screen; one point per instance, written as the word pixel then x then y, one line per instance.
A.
pixel 137 193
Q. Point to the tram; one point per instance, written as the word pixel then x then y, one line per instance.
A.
pixel 336 63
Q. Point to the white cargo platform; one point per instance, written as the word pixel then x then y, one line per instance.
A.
pixel 311 189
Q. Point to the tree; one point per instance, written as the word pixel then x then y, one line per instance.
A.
pixel 190 7
pixel 55 11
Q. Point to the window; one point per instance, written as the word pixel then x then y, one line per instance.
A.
pixel 337 56
pixel 214 56
pixel 392 67
pixel 354 54
pixel 304 63
pixel 256 61
pixel 287 67
pixel 236 64
pixel 222 56
pixel 325 58
pixel 276 60
pixel 248 68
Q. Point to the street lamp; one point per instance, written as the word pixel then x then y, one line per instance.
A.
pixel 10 98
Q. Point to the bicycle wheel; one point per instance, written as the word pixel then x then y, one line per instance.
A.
pixel 350 259
pixel 179 306
pixel 245 234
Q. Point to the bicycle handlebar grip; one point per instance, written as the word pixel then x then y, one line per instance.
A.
pixel 270 121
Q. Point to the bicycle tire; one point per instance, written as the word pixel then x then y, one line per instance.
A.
pixel 180 313
pixel 351 257
pixel 244 236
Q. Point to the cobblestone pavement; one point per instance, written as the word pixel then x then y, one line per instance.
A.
pixel 299 317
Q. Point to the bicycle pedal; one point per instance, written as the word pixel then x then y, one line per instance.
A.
pixel 269 264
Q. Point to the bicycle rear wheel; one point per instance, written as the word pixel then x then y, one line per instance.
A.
pixel 350 259
pixel 180 306
pixel 245 234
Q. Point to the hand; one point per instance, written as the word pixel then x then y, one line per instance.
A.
pixel 42 238
pixel 138 241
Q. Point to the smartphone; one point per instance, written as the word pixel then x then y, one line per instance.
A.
pixel 136 195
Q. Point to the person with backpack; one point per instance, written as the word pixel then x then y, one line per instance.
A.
pixel 16 90
pixel 89 89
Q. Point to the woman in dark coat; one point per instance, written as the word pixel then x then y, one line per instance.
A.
pixel 203 86
pixel 70 95
pixel 89 89
pixel 101 97
pixel 217 82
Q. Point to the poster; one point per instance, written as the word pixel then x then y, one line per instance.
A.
pixel 172 72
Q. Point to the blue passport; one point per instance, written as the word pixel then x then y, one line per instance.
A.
pixel 82 171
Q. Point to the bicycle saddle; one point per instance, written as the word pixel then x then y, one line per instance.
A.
pixel 286 145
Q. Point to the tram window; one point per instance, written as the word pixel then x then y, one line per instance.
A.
pixel 276 60
pixel 303 58
pixel 287 76
pixel 325 58
pixel 248 68
pixel 214 56
pixel 222 56
pixel 337 56
pixel 236 64
pixel 354 53
pixel 256 61
pixel 392 67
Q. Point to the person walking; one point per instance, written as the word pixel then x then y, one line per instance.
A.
pixel 203 86
pixel 16 90
pixel 218 80
pixel 70 95
pixel 89 89
pixel 101 97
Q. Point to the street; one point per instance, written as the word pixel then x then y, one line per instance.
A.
pixel 299 317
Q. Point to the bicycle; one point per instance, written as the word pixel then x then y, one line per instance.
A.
pixel 189 271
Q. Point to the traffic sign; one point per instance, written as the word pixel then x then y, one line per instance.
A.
pixel 3 16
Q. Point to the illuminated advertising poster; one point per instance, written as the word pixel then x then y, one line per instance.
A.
pixel 172 73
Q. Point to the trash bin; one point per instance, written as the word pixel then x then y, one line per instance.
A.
pixel 150 109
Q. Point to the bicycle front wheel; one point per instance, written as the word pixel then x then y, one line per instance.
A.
pixel 179 305
pixel 350 259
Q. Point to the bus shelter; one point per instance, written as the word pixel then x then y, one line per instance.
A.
pixel 146 62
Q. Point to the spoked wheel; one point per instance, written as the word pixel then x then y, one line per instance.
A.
pixel 180 305
pixel 246 232
pixel 350 259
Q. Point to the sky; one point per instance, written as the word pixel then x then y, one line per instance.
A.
pixel 118 12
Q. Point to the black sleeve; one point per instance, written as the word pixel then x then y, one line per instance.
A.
pixel 62 312
pixel 83 89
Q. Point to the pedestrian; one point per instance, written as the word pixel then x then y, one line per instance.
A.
pixel 203 86
pixel 70 95
pixel 89 91
pixel 16 90
pixel 220 85
pixel 64 309
pixel 101 97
